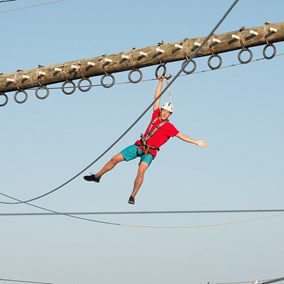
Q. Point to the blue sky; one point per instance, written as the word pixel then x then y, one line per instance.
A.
pixel 238 110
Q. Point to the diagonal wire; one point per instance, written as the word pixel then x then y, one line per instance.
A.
pixel 140 116
pixel 22 281
pixel 3 1
pixel 31 6
pixel 273 280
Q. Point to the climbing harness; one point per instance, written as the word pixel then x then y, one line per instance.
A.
pixel 144 138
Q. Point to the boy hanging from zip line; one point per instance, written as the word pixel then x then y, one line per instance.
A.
pixel 158 132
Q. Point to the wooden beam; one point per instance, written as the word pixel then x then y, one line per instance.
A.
pixel 140 58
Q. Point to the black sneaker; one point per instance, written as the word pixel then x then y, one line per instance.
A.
pixel 131 200
pixel 92 178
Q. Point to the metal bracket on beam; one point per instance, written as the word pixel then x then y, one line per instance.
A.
pixel 89 63
pixel 126 57
pixel 75 68
pixel 108 61
pixel 41 74
pixel 216 40
pixel 160 50
pixel 25 78
pixel 178 46
pixel 273 30
pixel 142 55
pixel 253 32
pixel 236 37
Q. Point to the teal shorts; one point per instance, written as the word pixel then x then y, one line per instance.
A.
pixel 132 152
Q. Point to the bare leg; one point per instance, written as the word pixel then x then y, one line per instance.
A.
pixel 139 178
pixel 110 165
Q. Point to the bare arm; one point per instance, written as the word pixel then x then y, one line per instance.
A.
pixel 158 92
pixel 200 143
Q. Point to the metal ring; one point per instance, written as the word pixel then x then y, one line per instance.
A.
pixel 162 65
pixel 240 56
pixel 46 92
pixel 71 91
pixel 183 66
pixel 24 99
pixel 88 88
pixel 110 84
pixel 6 99
pixel 265 49
pixel 135 81
pixel 218 65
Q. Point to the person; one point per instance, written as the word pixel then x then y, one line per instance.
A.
pixel 157 133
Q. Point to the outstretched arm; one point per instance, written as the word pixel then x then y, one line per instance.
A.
pixel 158 92
pixel 200 143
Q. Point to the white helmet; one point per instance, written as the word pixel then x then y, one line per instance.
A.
pixel 168 106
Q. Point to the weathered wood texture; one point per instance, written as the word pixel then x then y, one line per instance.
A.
pixel 132 59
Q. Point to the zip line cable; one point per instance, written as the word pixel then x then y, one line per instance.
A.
pixel 242 282
pixel 31 6
pixel 253 281
pixel 143 212
pixel 135 122
pixel 22 281
pixel 273 280
pixel 148 226
pixel 3 1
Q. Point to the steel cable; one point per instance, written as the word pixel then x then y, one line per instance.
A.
pixel 31 6
pixel 145 212
pixel 147 226
pixel 22 281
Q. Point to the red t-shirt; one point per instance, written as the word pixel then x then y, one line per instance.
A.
pixel 161 136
